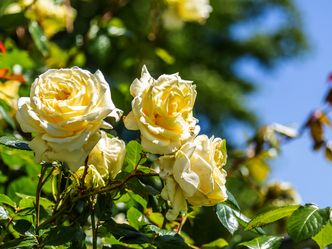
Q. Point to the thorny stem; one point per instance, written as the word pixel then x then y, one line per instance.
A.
pixel 115 186
pixel 98 191
pixel 41 182
pixel 93 225
pixel 58 191
pixel 183 220
pixel 84 173
pixel 164 214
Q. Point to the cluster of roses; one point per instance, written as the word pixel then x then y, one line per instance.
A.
pixel 66 111
pixel 54 16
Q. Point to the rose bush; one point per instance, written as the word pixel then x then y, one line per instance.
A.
pixel 195 173
pixel 65 111
pixel 162 110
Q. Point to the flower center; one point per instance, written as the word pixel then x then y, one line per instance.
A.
pixel 63 94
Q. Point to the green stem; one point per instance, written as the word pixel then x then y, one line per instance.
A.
pixel 41 181
pixel 85 172
pixel 56 195
pixel 93 226
pixel 97 191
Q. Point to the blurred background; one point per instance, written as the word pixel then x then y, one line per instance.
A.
pixel 261 69
pixel 290 93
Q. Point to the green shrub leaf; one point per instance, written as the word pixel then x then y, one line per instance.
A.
pixel 24 242
pixel 324 237
pixel 227 218
pixel 271 216
pixel 171 241
pixel 14 143
pixel 4 199
pixel 307 221
pixel 216 244
pixel 22 226
pixel 231 199
pixel 38 37
pixel 124 232
pixel 64 234
pixel 133 155
pixel 263 242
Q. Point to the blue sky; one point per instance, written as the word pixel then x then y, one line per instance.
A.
pixel 289 94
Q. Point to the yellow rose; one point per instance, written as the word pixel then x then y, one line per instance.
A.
pixel 197 171
pixel 65 111
pixel 9 93
pixel 162 110
pixel 173 193
pixel 92 179
pixel 51 16
pixel 187 11
pixel 108 156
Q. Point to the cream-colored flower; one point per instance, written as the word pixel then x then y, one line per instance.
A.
pixel 92 178
pixel 173 193
pixel 9 93
pixel 197 171
pixel 108 156
pixel 51 16
pixel 186 11
pixel 162 110
pixel 65 111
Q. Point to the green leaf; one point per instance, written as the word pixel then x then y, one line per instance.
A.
pixel 10 21
pixel 124 232
pixel 216 244
pixel 24 242
pixel 25 184
pixel 165 56
pixel 3 214
pixel 231 199
pixel 158 231
pixel 38 37
pixel 29 201
pixel 5 113
pixel 244 220
pixel 271 216
pixel 116 247
pixel 22 226
pixel 307 221
pixel 134 217
pixel 144 169
pixel 227 218
pixel 140 188
pixel 133 155
pixel 14 143
pixel 6 200
pixel 104 206
pixel 101 47
pixel 263 242
pixel 171 241
pixel 12 57
pixel 139 199
pixel 64 234
pixel 324 238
